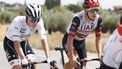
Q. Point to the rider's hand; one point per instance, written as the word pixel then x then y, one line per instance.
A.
pixel 48 60
pixel 100 56
pixel 31 58
pixel 73 61
pixel 24 61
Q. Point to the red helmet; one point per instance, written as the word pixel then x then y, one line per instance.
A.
pixel 90 3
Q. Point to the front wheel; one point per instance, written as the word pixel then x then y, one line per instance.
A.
pixel 33 66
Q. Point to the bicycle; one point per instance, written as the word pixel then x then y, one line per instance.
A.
pixel 53 64
pixel 78 59
pixel 87 60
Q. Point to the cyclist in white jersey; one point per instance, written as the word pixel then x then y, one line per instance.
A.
pixel 82 24
pixel 16 43
pixel 113 50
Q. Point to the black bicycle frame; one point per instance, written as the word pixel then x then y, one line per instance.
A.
pixel 62 55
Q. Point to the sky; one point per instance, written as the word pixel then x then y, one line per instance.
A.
pixel 105 4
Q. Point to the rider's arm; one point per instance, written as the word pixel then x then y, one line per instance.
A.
pixel 70 46
pixel 19 49
pixel 43 37
pixel 16 33
pixel 45 47
pixel 74 25
pixel 98 32
pixel 98 45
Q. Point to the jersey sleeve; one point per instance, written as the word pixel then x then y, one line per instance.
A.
pixel 41 30
pixel 74 25
pixel 16 30
pixel 98 30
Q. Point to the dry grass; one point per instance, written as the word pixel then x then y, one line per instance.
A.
pixel 55 39
pixel 90 42
pixel 2 31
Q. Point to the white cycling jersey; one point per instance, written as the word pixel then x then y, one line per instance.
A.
pixel 20 31
pixel 113 49
pixel 84 27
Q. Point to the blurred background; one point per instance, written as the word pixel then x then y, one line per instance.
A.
pixel 57 15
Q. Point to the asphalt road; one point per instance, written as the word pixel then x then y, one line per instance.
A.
pixel 40 54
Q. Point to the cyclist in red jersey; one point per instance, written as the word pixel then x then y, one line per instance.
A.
pixel 82 24
pixel 112 58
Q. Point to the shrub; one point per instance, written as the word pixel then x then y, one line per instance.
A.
pixel 110 20
pixel 6 16
pixel 74 8
pixel 57 19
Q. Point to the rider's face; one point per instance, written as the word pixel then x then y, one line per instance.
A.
pixel 92 13
pixel 32 23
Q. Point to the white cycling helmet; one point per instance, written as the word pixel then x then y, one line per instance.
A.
pixel 33 11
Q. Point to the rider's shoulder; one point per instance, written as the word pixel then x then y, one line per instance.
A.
pixel 19 18
pixel 81 13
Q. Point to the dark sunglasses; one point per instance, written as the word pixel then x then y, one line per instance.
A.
pixel 94 10
pixel 34 19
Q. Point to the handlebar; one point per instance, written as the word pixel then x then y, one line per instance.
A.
pixel 59 48
pixel 39 62
pixel 88 60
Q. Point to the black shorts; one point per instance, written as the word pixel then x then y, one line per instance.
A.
pixel 79 46
pixel 103 66
pixel 10 51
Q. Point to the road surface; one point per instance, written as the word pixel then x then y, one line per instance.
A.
pixel 40 54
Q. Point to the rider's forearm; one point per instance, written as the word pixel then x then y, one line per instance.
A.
pixel 19 50
pixel 45 47
pixel 98 46
pixel 70 46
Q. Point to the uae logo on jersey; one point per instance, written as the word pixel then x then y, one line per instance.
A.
pixel 89 26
